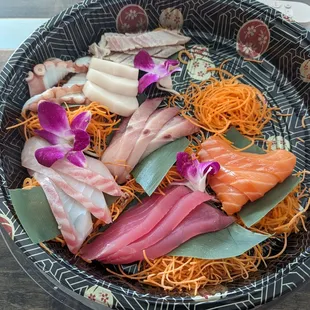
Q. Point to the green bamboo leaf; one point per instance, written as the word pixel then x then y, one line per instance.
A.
pixel 241 141
pixel 229 242
pixel 254 211
pixel 34 213
pixel 153 168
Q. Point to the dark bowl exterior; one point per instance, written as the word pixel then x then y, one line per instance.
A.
pixel 215 23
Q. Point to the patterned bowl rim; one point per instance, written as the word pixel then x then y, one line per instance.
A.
pixel 256 293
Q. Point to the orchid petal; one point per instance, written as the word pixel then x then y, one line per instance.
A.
pixel 209 167
pixel 50 137
pixel 81 121
pixel 170 63
pixel 143 61
pixel 77 158
pixel 47 156
pixel 147 80
pixel 81 140
pixel 195 172
pixel 53 118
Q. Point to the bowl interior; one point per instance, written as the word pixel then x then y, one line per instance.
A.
pixel 215 30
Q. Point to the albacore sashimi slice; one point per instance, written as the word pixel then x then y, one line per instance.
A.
pixel 134 251
pixel 115 156
pixel 139 221
pixel 153 125
pixel 248 176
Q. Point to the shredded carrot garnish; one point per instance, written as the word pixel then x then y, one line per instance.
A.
pixel 253 60
pixel 186 53
pixel 220 103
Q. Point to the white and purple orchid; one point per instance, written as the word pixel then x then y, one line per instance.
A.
pixel 144 62
pixel 194 172
pixel 68 140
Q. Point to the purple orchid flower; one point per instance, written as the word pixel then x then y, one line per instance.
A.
pixel 67 140
pixel 144 62
pixel 195 172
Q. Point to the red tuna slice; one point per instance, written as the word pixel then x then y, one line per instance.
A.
pixel 133 224
pixel 134 251
pixel 7 224
pixel 202 220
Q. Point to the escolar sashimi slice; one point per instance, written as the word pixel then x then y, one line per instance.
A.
pixel 139 221
pixel 134 251
pixel 244 176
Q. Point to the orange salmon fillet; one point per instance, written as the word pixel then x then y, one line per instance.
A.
pixel 244 176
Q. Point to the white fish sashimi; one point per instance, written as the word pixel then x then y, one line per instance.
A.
pixel 114 68
pixel 156 121
pixel 94 195
pixel 73 219
pixel 119 104
pixel 176 128
pixel 29 161
pixel 114 84
pixel 116 154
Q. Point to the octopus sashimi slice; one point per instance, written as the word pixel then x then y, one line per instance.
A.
pixel 52 71
pixel 138 220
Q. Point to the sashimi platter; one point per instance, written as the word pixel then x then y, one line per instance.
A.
pixel 162 161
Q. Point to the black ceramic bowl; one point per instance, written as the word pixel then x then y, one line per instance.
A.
pixel 220 29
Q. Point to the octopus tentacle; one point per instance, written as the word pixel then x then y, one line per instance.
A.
pixel 71 93
pixel 53 70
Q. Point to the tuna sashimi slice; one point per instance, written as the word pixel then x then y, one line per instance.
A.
pixel 134 251
pixel 139 221
pixel 116 155
pixel 73 219
pixel 201 220
pixel 176 128
pixel 153 125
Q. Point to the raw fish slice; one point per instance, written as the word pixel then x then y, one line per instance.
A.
pixel 114 84
pixel 283 162
pixel 139 221
pixel 244 173
pixel 74 221
pixel 232 199
pixel 133 252
pixel 253 184
pixel 94 195
pixel 29 161
pixel 176 128
pixel 116 155
pixel 114 68
pixel 156 121
pixel 96 174
pixel 125 42
pixel 119 104
pixel 201 220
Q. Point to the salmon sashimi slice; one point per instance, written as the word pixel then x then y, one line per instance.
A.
pixel 282 161
pixel 231 198
pixel 244 176
pixel 133 224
